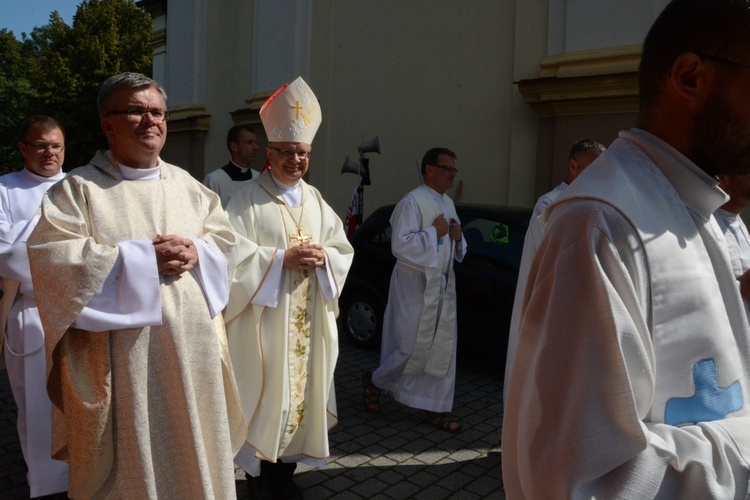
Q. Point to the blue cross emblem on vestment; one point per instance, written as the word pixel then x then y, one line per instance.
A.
pixel 710 402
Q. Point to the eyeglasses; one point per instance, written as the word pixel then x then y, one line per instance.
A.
pixel 722 60
pixel 157 115
pixel 289 154
pixel 40 147
pixel 452 170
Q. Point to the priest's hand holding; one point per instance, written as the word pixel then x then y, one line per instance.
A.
pixel 174 255
pixel 455 230
pixel 745 284
pixel 441 225
pixel 307 256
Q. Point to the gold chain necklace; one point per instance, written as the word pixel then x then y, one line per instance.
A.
pixel 299 237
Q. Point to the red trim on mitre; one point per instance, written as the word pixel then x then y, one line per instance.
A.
pixel 266 165
pixel 273 96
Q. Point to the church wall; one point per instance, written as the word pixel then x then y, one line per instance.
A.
pixel 490 79
pixel 416 74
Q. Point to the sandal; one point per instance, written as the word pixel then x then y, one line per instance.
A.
pixel 370 394
pixel 441 421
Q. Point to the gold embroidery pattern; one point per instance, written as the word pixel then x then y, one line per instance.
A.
pixel 302 304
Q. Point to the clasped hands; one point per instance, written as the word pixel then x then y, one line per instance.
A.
pixel 305 256
pixel 174 255
pixel 443 227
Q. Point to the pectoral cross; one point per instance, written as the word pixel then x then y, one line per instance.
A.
pixel 300 237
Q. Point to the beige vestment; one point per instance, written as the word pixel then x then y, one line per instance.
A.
pixel 284 356
pixel 148 412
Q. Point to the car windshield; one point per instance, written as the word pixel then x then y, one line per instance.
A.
pixel 492 243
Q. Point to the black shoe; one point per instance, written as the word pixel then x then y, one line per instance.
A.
pixel 282 477
pixel 259 488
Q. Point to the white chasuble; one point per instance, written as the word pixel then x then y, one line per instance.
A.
pixel 142 412
pixel 284 356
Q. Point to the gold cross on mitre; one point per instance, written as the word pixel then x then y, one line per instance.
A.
pixel 300 237
pixel 298 108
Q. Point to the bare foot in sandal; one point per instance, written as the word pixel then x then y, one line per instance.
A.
pixel 370 393
pixel 441 420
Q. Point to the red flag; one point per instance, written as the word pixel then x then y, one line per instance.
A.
pixel 353 213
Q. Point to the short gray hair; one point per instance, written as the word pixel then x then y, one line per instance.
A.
pixel 583 146
pixel 125 81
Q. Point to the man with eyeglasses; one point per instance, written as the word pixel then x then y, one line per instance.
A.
pixel 418 352
pixel 131 262
pixel 281 316
pixel 42 145
pixel 243 147
pixel 582 154
pixel 632 373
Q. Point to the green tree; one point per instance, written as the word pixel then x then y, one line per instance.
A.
pixel 17 95
pixel 65 66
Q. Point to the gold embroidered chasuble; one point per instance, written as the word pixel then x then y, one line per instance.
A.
pixel 284 356
pixel 147 412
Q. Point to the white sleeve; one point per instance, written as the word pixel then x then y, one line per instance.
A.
pixel 268 293
pixel 14 259
pixel 460 249
pixel 211 273
pixel 410 243
pixel 326 282
pixel 130 297
pixel 577 422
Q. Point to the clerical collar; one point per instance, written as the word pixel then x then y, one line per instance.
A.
pixel 697 190
pixel 40 178
pixel 292 195
pixel 434 193
pixel 140 174
pixel 242 169
pixel 730 217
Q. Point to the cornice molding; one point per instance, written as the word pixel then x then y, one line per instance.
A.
pixel 607 61
pixel 584 83
pixel 189 118
pixel 250 114
pixel 159 39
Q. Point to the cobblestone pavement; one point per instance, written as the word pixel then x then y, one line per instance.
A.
pixel 391 455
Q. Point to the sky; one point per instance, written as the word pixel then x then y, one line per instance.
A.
pixel 21 16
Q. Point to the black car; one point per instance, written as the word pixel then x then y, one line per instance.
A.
pixel 485 280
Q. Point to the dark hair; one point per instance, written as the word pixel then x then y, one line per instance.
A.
pixel 125 81
pixel 46 123
pixel 583 146
pixel 234 133
pixel 431 157
pixel 713 27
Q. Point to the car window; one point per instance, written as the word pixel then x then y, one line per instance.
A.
pixel 492 243
pixel 381 236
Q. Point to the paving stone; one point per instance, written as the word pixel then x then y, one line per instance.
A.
pixel 369 488
pixel 392 455
pixel 433 493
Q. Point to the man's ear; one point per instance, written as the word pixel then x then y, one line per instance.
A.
pixel 107 128
pixel 572 166
pixel 692 77
pixel 723 181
